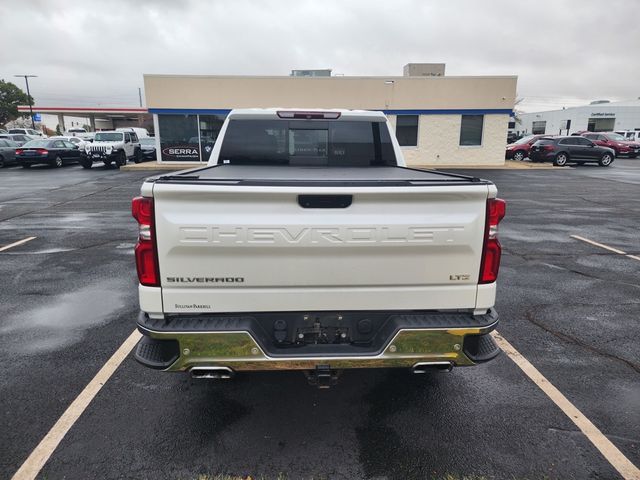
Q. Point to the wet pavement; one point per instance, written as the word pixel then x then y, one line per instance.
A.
pixel 69 299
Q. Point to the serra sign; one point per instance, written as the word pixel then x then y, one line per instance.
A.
pixel 181 152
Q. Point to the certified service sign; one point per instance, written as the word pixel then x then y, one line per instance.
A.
pixel 181 152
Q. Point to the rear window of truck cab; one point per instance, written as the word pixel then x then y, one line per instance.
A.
pixel 344 143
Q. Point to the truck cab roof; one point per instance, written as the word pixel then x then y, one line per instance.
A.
pixel 307 113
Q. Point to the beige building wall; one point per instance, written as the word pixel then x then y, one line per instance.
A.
pixel 439 101
pixel 368 93
pixel 439 138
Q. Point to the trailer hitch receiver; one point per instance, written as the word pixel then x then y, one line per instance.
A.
pixel 322 377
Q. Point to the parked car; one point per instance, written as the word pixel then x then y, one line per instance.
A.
pixel 616 142
pixel 512 137
pixel 630 135
pixel 79 142
pixel 19 138
pixel 140 132
pixel 148 149
pixel 28 131
pixel 51 152
pixel 110 147
pixel 519 150
pixel 572 149
pixel 75 130
pixel 79 132
pixel 7 152
pixel 2 130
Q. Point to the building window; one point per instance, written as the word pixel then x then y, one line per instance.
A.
pixel 210 126
pixel 596 124
pixel 471 130
pixel 539 127
pixel 407 130
pixel 179 138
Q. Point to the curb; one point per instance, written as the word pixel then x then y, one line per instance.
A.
pixel 155 166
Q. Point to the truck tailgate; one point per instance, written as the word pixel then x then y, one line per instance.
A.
pixel 239 248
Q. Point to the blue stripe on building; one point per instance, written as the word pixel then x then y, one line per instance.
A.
pixel 189 111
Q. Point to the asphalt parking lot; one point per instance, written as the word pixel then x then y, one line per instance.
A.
pixel 69 299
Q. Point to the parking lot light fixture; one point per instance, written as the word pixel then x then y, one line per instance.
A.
pixel 26 79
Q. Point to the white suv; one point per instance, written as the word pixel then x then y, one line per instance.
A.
pixel 112 147
pixel 27 131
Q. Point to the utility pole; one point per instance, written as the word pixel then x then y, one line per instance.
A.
pixel 26 79
pixel 140 95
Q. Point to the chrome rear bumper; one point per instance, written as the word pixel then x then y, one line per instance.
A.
pixel 179 350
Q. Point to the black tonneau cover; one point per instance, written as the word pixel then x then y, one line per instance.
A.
pixel 254 175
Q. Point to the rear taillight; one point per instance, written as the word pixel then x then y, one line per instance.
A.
pixel 146 251
pixel 19 151
pixel 491 250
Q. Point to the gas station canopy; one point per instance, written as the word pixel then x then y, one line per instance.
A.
pixel 107 114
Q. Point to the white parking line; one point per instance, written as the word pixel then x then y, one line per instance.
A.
pixel 33 464
pixel 614 456
pixel 15 244
pixel 606 247
pixel 39 456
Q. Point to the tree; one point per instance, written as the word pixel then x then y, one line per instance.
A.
pixel 10 97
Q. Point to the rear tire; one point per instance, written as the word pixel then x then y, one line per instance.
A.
pixel 605 160
pixel 561 159
pixel 518 156
pixel 137 156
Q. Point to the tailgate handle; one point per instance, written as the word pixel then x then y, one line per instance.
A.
pixel 325 201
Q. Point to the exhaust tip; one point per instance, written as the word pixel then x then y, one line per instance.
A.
pixel 426 367
pixel 215 373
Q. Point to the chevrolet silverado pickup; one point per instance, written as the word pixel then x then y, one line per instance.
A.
pixel 307 244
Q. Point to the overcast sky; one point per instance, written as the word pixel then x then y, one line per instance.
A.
pixel 564 53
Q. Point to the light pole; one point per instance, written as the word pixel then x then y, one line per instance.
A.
pixel 26 79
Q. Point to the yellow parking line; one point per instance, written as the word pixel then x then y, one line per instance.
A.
pixel 39 456
pixel 615 457
pixel 15 244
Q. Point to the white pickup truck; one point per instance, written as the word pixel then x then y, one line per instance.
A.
pixel 306 244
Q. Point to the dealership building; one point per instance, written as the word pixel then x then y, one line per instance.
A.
pixel 599 116
pixel 438 119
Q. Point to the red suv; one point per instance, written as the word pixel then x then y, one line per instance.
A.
pixel 519 150
pixel 615 141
